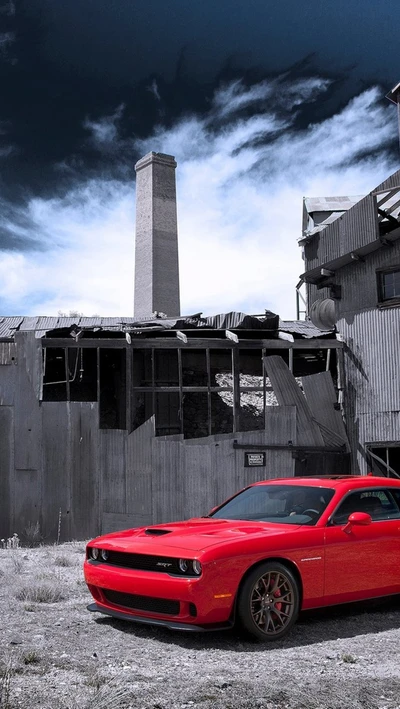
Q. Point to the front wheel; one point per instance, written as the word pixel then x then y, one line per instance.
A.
pixel 268 602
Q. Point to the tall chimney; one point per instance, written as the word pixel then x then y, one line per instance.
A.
pixel 156 244
pixel 394 96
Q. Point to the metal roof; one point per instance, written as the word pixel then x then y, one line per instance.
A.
pixel 43 324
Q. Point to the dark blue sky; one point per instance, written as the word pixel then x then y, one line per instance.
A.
pixel 64 62
pixel 252 96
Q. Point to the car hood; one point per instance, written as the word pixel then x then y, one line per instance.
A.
pixel 193 535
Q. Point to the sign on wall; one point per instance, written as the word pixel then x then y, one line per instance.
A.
pixel 254 460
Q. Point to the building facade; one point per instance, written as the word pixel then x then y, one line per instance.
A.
pixel 352 276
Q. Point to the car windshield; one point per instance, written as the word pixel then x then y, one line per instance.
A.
pixel 281 504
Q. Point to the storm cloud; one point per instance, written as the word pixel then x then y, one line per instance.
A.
pixel 260 103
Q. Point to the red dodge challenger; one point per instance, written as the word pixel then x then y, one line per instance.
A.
pixel 273 549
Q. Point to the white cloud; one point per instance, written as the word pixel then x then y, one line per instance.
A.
pixel 240 185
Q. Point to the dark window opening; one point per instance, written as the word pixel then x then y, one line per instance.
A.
pixel 54 374
pixel 384 460
pixel 194 369
pixel 202 392
pixel 195 415
pixel 112 413
pixel 389 285
pixel 69 374
pixel 83 364
pixel 167 414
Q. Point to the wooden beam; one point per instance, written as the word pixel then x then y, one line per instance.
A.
pixel 195 343
pixel 288 393
pixel 231 336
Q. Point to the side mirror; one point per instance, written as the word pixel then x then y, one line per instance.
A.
pixel 359 519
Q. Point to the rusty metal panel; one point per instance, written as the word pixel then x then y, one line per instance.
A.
pixel 6 470
pixel 139 471
pixel 321 398
pixel 57 465
pixel 28 414
pixel 85 489
pixel 7 353
pixel 288 393
pixel 113 470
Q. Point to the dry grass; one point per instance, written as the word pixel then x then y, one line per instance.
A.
pixel 5 686
pixel 63 560
pixel 41 592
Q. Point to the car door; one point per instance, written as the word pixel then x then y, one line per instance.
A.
pixel 363 561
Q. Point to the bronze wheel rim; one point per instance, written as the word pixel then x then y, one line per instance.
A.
pixel 272 603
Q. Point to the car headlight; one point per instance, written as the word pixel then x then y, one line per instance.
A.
pixel 196 567
pixel 183 565
pixel 104 554
pixel 94 552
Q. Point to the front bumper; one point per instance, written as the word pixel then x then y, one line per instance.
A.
pixel 172 625
pixel 200 603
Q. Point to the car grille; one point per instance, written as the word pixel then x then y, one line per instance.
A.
pixel 143 562
pixel 142 603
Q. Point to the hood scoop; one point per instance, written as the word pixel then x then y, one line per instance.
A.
pixel 158 532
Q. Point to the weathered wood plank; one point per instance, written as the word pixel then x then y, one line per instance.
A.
pixel 114 522
pixel 112 460
pixel 8 353
pixel 56 465
pixel 288 393
pixel 28 415
pixel 139 467
pixel 321 397
pixel 6 470
pixel 8 378
pixel 85 479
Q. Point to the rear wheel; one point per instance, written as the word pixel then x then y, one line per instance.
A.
pixel 268 602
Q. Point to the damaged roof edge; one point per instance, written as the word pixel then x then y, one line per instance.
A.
pixel 78 327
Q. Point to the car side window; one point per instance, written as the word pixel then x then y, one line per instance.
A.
pixel 379 504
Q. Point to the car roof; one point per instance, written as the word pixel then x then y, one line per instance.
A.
pixel 335 481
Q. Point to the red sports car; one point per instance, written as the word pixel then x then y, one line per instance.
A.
pixel 273 549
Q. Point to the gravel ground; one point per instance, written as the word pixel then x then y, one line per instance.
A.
pixel 54 654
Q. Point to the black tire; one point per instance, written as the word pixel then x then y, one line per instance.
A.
pixel 268 602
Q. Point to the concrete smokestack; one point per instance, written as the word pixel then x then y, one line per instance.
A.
pixel 156 245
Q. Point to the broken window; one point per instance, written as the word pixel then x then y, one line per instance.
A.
pixel 389 285
pixel 112 405
pixel 69 374
pixel 384 460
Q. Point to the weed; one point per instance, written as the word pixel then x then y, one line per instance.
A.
pixel 32 533
pixel 30 657
pixel 44 592
pixel 16 562
pixel 63 560
pixel 5 686
pixel 350 659
pixel 13 542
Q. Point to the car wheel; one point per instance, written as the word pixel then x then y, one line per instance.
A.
pixel 268 602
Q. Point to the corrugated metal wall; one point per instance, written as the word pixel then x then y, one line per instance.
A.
pixel 371 355
pixel 58 469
